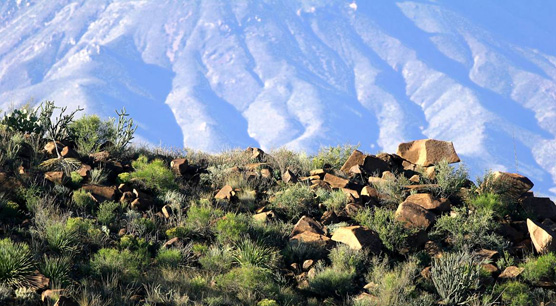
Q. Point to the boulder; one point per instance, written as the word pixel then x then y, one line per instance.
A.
pixel 56 177
pixel 51 146
pixel 179 166
pixel 289 177
pixel 512 183
pixel 255 153
pixel 68 152
pixel 127 197
pixel 266 173
pixel 369 192
pixel 414 216
pixel 358 237
pixel 226 193
pixel 318 172
pixel 427 152
pixel 356 158
pixel 490 268
pixel 84 171
pixel 167 211
pixel 102 193
pixel 335 181
pixel 171 242
pixel 540 208
pixel 511 272
pixel 264 216
pixel 307 264
pixel 485 254
pixel 421 188
pixel 541 237
pixel 429 202
pixel 307 224
pixel 312 239
pixel 351 209
pixel 100 157
pixel 369 163
pixel 329 217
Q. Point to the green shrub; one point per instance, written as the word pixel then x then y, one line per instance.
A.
pixel 249 253
pixel 540 268
pixel 232 227
pixel 61 239
pixel 345 257
pixel 392 190
pixel 76 179
pixel 153 174
pixel 275 233
pixel 141 226
pixel 335 200
pixel 125 264
pixel 169 257
pixel 24 119
pixel 294 201
pixel 267 302
pixel 249 284
pixel 514 293
pixel 449 179
pixel 90 132
pixel 467 228
pixel 218 258
pixel 16 263
pixel 124 177
pixel 395 286
pixel 178 231
pixel 393 234
pixel 454 276
pixel 284 159
pixel 57 269
pixel 491 202
pixel 108 212
pixel 333 156
pixel 32 197
pixel 82 200
pixel 297 251
pixel 332 281
pixel 199 217
pixel 98 176
pixel 9 210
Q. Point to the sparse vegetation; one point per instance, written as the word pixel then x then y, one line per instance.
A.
pixel 136 229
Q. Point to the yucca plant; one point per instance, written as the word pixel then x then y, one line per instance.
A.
pixel 249 253
pixel 16 263
pixel 57 269
pixel 60 239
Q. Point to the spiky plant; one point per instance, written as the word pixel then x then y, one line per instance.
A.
pixel 455 275
pixel 16 263
pixel 249 253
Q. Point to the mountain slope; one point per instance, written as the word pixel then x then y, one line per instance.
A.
pixel 213 75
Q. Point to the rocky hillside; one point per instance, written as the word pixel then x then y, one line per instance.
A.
pixel 479 73
pixel 86 219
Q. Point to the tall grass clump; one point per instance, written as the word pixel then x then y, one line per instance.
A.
pixel 16 263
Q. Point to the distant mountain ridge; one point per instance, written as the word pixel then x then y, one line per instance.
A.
pixel 218 74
